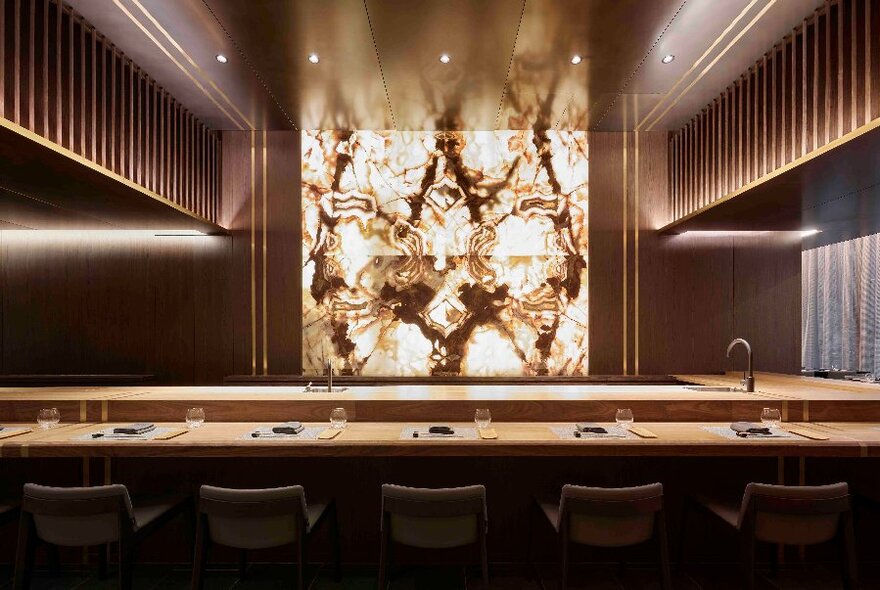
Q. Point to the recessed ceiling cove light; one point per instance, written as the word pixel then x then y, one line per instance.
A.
pixel 576 59
pixel 313 58
pixel 668 59
pixel 221 58
pixel 444 58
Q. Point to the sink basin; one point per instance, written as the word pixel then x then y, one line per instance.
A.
pixel 711 388
pixel 324 390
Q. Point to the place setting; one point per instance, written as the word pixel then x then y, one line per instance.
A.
pixel 294 430
pixel 482 430
pixel 770 427
pixel 624 428
pixel 147 431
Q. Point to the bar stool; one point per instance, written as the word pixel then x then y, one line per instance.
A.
pixel 440 518
pixel 85 517
pixel 260 519
pixel 608 517
pixel 785 515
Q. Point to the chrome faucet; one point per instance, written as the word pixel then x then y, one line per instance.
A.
pixel 748 381
pixel 329 375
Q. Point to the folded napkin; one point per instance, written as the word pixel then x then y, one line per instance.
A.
pixel 288 428
pixel 590 427
pixel 139 428
pixel 745 428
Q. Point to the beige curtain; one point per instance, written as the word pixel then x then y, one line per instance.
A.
pixel 840 302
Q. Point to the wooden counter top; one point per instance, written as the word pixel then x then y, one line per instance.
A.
pixel 383 439
pixel 794 387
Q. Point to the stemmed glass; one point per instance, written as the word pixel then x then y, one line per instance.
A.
pixel 483 418
pixel 771 417
pixel 338 418
pixel 624 418
pixel 195 417
pixel 48 418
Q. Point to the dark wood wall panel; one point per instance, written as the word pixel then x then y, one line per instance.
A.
pixel 687 295
pixel 64 81
pixel 818 84
pixel 115 304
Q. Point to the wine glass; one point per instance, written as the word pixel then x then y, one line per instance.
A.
pixel 483 418
pixel 48 417
pixel 624 418
pixel 195 417
pixel 338 418
pixel 771 417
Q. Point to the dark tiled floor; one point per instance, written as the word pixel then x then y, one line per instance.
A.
pixel 505 577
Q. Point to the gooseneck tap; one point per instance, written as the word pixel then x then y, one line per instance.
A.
pixel 329 375
pixel 748 380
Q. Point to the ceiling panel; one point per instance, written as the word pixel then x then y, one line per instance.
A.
pixel 426 94
pixel 612 36
pixel 344 90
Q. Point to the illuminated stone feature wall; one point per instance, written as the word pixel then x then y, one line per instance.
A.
pixel 445 253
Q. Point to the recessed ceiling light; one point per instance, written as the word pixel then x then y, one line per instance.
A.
pixel 668 59
pixel 444 58
pixel 313 58
pixel 576 59
pixel 221 58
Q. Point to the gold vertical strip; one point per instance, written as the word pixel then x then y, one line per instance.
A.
pixel 253 253
pixel 105 411
pixel 815 28
pixel 773 75
pixel 783 114
pixel 794 97
pixel 31 99
pixel 82 90
pixel 16 62
pixel 3 58
pixel 625 225
pixel 83 410
pixel 839 69
pixel 45 73
pixel 265 218
pixel 827 109
pixel 636 227
pixel 71 145
pixel 764 116
pixel 854 63
pixel 868 114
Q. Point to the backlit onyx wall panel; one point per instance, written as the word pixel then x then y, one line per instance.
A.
pixel 445 253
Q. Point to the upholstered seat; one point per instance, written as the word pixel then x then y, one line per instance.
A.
pixel 252 519
pixel 85 517
pixel 607 517
pixel 439 518
pixel 786 515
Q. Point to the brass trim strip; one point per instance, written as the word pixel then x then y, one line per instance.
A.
pixel 854 134
pixel 23 451
pixel 253 254
pixel 192 62
pixel 636 229
pixel 83 410
pixel 806 411
pixel 105 410
pixel 179 65
pixel 265 219
pixel 46 143
pixel 625 265
pixel 714 44
pixel 711 64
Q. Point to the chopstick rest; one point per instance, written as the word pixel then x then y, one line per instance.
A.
pixel 487 433
pixel 642 432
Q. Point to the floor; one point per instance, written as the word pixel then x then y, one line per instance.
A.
pixel 504 577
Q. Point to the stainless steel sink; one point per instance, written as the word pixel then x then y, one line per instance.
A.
pixel 310 389
pixel 711 388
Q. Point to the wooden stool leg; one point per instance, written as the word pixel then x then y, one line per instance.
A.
pixel 300 558
pixel 200 559
pixel 563 562
pixel 665 575
pixel 484 554
pixel 748 560
pixel 126 562
pixel 242 564
pixel 334 540
pixel 383 555
pixel 851 576
pixel 24 556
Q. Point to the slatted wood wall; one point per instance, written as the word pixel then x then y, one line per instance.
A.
pixel 818 84
pixel 63 80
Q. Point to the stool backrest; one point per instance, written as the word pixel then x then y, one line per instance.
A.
pixel 794 515
pixel 254 518
pixel 79 517
pixel 434 518
pixel 609 517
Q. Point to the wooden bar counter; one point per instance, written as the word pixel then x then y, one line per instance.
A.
pixel 375 439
